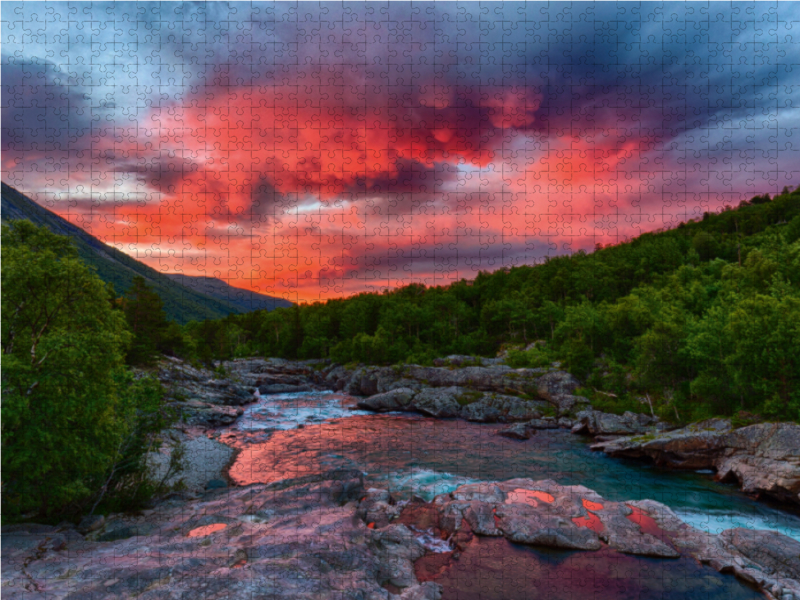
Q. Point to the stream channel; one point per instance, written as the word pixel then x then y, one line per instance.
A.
pixel 291 435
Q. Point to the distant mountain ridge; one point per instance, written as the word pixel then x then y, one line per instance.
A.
pixel 185 298
pixel 246 300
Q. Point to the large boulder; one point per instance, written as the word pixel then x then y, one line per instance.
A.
pixel 773 551
pixel 399 399
pixel 204 414
pixel 524 524
pixel 438 402
pixel 600 423
pixel 556 383
pixel 762 458
pixel 500 408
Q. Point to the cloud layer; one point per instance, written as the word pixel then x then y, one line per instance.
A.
pixel 319 150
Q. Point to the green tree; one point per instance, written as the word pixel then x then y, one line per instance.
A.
pixel 144 312
pixel 63 346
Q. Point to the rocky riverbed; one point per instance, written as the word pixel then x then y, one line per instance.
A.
pixel 328 536
pixel 335 533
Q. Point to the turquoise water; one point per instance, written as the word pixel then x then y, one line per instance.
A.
pixel 411 454
pixel 293 435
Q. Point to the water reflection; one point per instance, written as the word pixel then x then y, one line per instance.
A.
pixel 410 454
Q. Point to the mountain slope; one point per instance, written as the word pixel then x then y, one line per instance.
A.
pixel 181 303
pixel 246 300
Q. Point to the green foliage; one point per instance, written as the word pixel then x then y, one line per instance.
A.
pixel 69 408
pixel 536 357
pixel 700 319
pixel 792 231
pixel 146 319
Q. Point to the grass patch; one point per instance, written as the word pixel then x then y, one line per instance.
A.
pixel 468 397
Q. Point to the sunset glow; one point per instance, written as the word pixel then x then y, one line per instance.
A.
pixel 319 150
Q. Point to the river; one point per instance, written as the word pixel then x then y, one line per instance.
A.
pixel 290 435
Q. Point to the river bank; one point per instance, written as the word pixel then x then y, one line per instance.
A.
pixel 329 535
pixel 331 497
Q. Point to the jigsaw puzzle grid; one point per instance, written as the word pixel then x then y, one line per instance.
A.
pixel 316 150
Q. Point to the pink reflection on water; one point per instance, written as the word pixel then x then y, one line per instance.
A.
pixel 207 529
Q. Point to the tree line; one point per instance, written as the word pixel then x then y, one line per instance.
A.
pixel 695 321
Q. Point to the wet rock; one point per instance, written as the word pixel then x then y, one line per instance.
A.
pixel 524 524
pixel 494 408
pixel 396 548
pixel 762 458
pixel 283 388
pixel 398 399
pixel 91 523
pixel 518 431
pixel 438 402
pixel 773 551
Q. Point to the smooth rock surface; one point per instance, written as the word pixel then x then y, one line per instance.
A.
pixel 762 458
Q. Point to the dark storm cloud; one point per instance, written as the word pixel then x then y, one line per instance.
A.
pixel 411 183
pixel 43 110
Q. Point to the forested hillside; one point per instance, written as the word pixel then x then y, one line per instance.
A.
pixel 702 319
pixel 182 303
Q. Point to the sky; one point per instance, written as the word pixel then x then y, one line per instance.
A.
pixel 318 150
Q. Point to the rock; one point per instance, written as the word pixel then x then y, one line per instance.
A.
pixel 493 408
pixel 396 548
pixel 398 399
pixel 283 388
pixel 481 518
pixel 568 404
pixel 324 535
pixel 600 423
pixel 195 412
pixel 125 532
pixel 238 559
pixel 91 523
pixel 216 484
pixel 544 423
pixel 438 402
pixel 762 458
pixel 518 431
pixel 774 552
pixel 423 591
pixel 184 382
pixel 555 384
pixel 523 524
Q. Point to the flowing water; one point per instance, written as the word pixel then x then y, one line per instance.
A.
pixel 290 435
